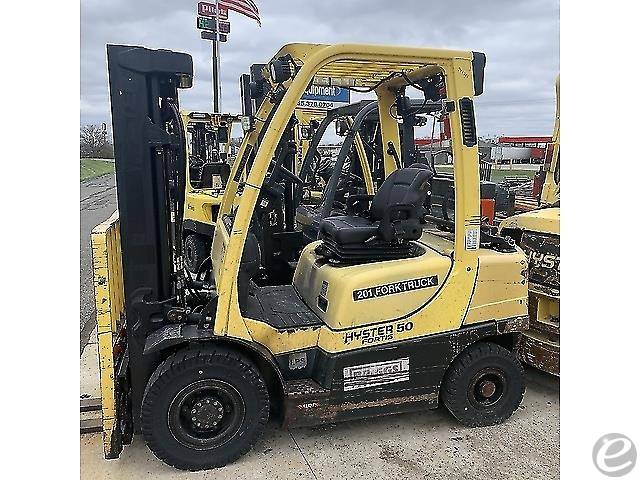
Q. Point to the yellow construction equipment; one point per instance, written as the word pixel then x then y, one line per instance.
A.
pixel 537 232
pixel 209 158
pixel 387 312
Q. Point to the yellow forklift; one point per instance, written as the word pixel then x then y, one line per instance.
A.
pixel 209 150
pixel 209 158
pixel 381 315
pixel 537 232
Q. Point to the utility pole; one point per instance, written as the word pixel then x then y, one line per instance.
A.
pixel 215 66
pixel 214 75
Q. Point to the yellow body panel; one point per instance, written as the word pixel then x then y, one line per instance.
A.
pixel 201 205
pixel 446 309
pixel 352 289
pixel 501 287
pixel 544 220
pixel 109 297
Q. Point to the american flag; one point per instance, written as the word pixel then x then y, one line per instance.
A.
pixel 245 7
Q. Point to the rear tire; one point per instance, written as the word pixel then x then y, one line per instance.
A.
pixel 196 251
pixel 484 385
pixel 204 408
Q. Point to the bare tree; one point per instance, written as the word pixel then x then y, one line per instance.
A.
pixel 94 142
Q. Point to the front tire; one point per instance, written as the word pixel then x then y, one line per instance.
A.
pixel 196 251
pixel 204 408
pixel 484 385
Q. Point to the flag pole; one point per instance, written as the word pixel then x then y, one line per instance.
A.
pixel 215 48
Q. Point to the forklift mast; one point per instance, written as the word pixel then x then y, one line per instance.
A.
pixel 150 170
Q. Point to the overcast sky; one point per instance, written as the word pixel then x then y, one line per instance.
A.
pixel 519 37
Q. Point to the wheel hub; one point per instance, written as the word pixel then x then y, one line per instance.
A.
pixel 206 413
pixel 487 388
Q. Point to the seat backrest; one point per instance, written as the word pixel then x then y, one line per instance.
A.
pixel 209 170
pixel 405 186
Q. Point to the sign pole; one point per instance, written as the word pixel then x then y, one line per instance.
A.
pixel 215 68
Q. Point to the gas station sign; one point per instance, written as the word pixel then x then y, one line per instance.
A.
pixel 206 23
pixel 209 10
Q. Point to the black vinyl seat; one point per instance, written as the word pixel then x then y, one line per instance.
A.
pixel 345 229
pixel 210 170
pixel 384 231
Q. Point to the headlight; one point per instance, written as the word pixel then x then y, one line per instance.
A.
pixel 280 70
pixel 185 81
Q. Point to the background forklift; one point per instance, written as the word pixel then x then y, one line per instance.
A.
pixel 209 139
pixel 377 317
pixel 537 232
pixel 209 158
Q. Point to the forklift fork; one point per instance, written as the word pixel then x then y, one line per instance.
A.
pixel 112 355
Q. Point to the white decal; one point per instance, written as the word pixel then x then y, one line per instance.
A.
pixel 374 374
pixel 472 238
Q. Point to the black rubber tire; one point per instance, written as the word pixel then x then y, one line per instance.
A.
pixel 461 380
pixel 177 373
pixel 196 250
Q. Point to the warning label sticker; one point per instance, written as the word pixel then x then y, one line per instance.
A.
pixel 472 238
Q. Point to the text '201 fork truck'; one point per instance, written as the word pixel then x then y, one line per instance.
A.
pixel 383 314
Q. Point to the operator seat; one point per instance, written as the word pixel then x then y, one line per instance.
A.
pixel 384 232
pixel 210 170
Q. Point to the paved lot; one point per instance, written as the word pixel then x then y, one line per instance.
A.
pixel 97 203
pixel 426 445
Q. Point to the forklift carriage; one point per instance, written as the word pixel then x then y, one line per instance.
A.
pixel 385 313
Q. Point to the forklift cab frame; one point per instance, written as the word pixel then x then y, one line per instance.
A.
pixel 346 114
pixel 463 80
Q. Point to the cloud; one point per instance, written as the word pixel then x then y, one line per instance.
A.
pixel 519 37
